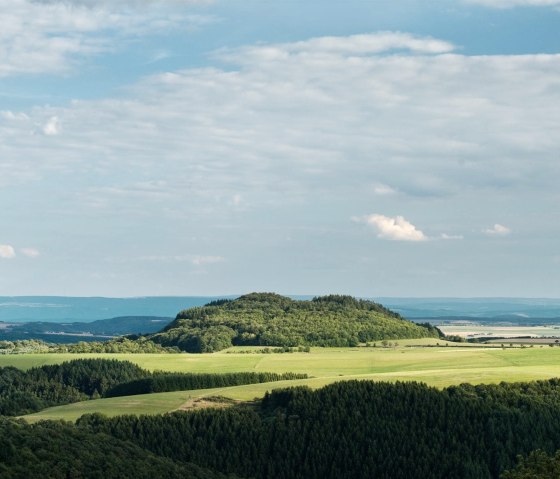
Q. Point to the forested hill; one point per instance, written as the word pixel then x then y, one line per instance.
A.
pixel 269 319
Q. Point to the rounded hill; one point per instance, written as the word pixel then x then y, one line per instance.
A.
pixel 268 319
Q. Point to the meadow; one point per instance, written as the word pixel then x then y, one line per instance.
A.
pixel 438 366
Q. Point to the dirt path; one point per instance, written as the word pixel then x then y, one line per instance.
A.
pixel 203 403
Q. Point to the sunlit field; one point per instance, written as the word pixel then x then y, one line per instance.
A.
pixel 437 366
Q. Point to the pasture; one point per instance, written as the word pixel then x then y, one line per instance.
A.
pixel 437 366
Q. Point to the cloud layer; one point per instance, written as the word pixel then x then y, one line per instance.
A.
pixel 284 142
pixel 53 36
pixel 420 125
pixel 515 3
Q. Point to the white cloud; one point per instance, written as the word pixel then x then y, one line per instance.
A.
pixel 370 43
pixel 393 228
pixel 52 127
pixel 299 129
pixel 201 260
pixel 135 3
pixel 197 260
pixel 498 230
pixel 7 251
pixel 50 36
pixel 30 252
pixel 383 190
pixel 363 44
pixel 446 236
pixel 514 3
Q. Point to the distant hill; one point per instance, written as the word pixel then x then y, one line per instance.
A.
pixel 269 319
pixel 17 309
pixel 101 329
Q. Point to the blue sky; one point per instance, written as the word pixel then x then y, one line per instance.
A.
pixel 376 148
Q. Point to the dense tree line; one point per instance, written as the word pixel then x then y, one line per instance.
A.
pixel 59 451
pixel 126 344
pixel 538 464
pixel 358 429
pixel 166 382
pixel 24 346
pixel 269 319
pixel 24 392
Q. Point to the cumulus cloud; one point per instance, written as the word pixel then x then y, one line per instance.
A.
pixel 393 228
pixel 7 251
pixel 515 3
pixel 30 252
pixel 498 230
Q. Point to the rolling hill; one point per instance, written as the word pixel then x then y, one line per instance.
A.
pixel 269 319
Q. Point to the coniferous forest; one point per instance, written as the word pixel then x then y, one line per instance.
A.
pixel 23 392
pixel 356 429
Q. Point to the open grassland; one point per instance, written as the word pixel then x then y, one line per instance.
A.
pixel 439 366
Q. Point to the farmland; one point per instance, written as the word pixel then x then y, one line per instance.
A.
pixel 437 366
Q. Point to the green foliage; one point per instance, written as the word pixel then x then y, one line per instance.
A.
pixel 537 465
pixel 130 344
pixel 269 319
pixel 59 450
pixel 358 429
pixel 23 392
pixel 167 382
pixel 24 346
pixel 127 344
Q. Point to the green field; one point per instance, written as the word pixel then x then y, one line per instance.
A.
pixel 437 366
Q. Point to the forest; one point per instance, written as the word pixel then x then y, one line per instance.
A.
pixel 358 429
pixel 268 319
pixel 355 429
pixel 24 392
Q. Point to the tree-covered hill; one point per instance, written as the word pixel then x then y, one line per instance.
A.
pixel 269 319
pixel 362 430
pixel 58 450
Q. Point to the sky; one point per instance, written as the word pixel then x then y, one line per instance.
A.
pixel 199 147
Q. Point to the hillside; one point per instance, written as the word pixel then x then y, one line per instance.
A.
pixel 58 450
pixel 361 430
pixel 70 332
pixel 269 319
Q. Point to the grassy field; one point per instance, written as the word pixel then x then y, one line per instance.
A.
pixel 437 366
